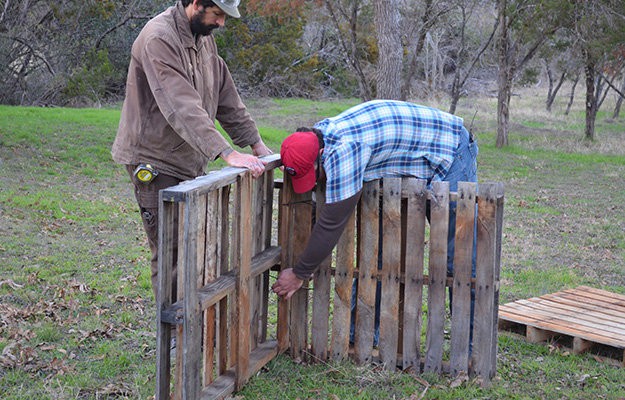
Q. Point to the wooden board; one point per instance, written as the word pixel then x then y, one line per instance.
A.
pixel 590 316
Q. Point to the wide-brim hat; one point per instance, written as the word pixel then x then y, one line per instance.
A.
pixel 230 7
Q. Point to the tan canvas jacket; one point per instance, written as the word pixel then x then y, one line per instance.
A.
pixel 177 86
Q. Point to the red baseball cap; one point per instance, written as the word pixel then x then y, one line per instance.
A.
pixel 299 151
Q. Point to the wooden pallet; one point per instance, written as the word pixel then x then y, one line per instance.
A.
pixel 593 318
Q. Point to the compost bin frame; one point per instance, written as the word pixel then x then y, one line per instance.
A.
pixel 231 232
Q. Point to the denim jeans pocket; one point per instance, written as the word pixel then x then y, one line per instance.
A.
pixel 464 166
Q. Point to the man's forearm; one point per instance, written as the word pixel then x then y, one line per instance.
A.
pixel 325 235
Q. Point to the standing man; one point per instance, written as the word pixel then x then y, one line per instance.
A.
pixel 373 140
pixel 177 87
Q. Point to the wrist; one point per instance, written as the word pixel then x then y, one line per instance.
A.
pixel 301 276
pixel 226 153
pixel 256 146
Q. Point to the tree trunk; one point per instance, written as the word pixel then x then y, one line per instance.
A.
pixel 387 19
pixel 503 109
pixel 504 79
pixel 572 95
pixel 455 92
pixel 591 100
pixel 553 88
pixel 619 101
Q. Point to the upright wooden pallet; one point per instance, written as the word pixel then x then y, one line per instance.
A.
pixel 229 239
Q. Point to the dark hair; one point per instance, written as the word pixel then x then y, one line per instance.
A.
pixel 315 131
pixel 203 3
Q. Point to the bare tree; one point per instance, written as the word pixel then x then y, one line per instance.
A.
pixel 599 26
pixel 346 18
pixel 417 24
pixel 524 25
pixel 466 59
pixel 45 47
pixel 562 63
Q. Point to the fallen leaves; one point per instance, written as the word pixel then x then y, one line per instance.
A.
pixel 33 315
pixel 18 355
pixel 459 380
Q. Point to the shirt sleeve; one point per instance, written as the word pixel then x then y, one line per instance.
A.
pixel 325 235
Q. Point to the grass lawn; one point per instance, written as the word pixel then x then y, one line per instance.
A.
pixel 76 307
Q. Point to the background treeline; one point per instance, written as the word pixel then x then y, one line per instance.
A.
pixel 74 53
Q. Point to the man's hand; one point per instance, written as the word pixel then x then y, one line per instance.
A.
pixel 253 163
pixel 260 149
pixel 287 283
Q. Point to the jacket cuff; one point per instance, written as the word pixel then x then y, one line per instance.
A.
pixel 218 151
pixel 301 272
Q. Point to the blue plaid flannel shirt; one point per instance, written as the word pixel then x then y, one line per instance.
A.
pixel 384 138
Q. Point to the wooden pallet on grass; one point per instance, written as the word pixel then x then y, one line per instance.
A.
pixel 592 318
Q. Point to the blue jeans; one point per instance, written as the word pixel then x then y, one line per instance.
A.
pixel 463 169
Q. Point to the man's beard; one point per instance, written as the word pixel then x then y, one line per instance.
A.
pixel 200 28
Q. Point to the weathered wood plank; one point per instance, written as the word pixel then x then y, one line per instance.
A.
pixel 599 301
pixel 179 276
pixel 285 227
pixel 243 207
pixel 224 385
pixel 261 355
pixel 343 279
pixel 461 306
pixel 211 262
pixel 267 207
pixel 580 315
pixel 613 298
pixel 413 291
pixel 368 230
pixel 391 256
pixel 192 238
pixel 321 295
pixel 302 221
pixel 485 311
pixel 607 310
pixel 213 181
pixel 499 204
pixel 221 387
pixel 167 212
pixel 226 345
pixel 439 226
pixel 257 243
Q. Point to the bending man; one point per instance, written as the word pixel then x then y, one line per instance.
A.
pixel 373 140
